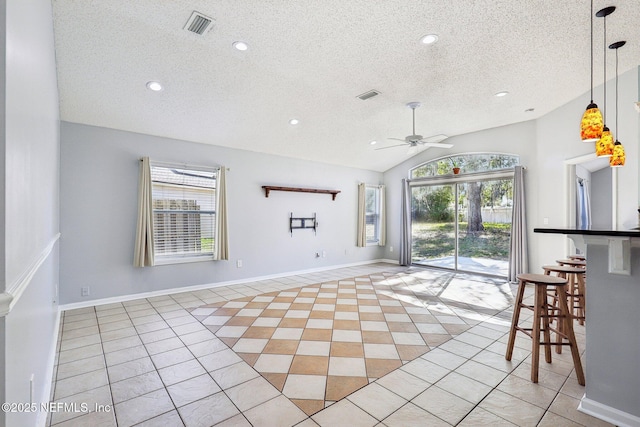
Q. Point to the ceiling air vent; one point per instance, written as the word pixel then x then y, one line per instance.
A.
pixel 199 23
pixel 369 94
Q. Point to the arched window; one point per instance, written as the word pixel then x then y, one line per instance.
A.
pixel 464 164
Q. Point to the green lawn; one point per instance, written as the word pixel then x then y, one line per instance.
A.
pixel 206 244
pixel 435 240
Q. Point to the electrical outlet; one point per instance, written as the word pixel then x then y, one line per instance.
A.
pixel 324 254
pixel 390 248
pixel 239 263
pixel 85 291
pixel 545 221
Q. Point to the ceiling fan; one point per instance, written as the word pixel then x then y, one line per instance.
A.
pixel 413 141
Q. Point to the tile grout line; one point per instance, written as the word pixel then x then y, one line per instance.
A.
pixel 186 304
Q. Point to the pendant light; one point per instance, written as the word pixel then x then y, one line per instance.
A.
pixel 618 157
pixel 604 146
pixel 591 123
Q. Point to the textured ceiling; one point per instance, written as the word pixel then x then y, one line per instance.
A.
pixel 309 60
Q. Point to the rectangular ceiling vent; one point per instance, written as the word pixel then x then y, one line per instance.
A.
pixel 199 23
pixel 369 94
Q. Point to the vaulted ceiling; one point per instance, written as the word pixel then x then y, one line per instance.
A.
pixel 310 60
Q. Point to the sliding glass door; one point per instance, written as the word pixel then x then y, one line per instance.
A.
pixel 433 225
pixel 463 223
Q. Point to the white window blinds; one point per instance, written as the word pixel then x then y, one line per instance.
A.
pixel 184 211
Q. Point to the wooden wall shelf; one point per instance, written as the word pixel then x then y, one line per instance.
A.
pixel 268 188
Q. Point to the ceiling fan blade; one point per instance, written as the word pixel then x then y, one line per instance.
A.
pixel 391 146
pixel 397 139
pixel 437 144
pixel 435 138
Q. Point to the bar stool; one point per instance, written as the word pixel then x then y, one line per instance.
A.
pixel 572 262
pixel 576 288
pixel 542 312
pixel 577 257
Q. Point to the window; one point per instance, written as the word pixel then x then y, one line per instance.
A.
pixel 372 214
pixel 467 163
pixel 184 212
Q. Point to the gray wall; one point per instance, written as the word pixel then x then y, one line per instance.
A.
pixel 612 366
pixel 99 175
pixel 601 199
pixel 30 145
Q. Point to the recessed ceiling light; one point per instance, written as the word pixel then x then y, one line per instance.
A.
pixel 373 142
pixel 294 121
pixel 501 94
pixel 240 45
pixel 154 86
pixel 429 39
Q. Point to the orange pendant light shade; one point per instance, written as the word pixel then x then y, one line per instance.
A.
pixel 592 125
pixel 618 158
pixel 604 146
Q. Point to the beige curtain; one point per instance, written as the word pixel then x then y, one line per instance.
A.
pixel 518 247
pixel 362 232
pixel 382 238
pixel 143 255
pixel 221 251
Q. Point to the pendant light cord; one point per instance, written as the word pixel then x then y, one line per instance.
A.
pixel 605 71
pixel 591 51
pixel 617 94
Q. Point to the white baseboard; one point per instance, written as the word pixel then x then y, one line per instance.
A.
pixel 608 414
pixel 163 292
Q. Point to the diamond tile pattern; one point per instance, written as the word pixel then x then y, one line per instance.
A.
pixel 323 338
pixel 319 343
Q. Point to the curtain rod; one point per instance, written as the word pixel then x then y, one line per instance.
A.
pixel 185 165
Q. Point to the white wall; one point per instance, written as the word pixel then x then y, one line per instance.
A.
pixel 99 174
pixel 30 146
pixel 3 144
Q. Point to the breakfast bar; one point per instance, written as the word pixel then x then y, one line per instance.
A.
pixel 612 365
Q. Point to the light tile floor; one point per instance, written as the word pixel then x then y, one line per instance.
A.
pixel 252 355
